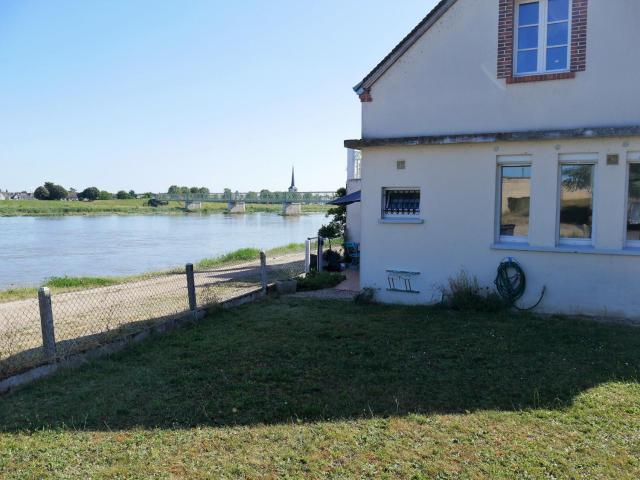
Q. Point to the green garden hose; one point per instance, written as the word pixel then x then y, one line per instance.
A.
pixel 511 283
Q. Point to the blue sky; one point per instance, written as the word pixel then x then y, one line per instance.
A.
pixel 142 94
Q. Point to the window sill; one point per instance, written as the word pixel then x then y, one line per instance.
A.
pixel 579 249
pixel 541 77
pixel 400 221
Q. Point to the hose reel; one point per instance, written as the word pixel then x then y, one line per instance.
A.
pixel 511 283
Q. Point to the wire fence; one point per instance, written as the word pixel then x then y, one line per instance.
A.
pixel 78 321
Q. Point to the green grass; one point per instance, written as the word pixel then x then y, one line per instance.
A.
pixel 79 282
pixel 242 255
pixel 247 255
pixel 319 281
pixel 12 208
pixel 293 388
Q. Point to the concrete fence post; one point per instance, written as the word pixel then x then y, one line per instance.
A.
pixel 46 322
pixel 191 288
pixel 307 256
pixel 263 272
pixel 320 251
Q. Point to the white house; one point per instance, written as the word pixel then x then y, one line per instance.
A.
pixel 507 128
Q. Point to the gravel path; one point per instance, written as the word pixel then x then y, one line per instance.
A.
pixel 81 317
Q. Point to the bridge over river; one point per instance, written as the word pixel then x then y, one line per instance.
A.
pixel 290 201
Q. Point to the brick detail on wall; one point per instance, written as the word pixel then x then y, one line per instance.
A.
pixel 365 97
pixel 506 25
pixel 579 35
pixel 505 38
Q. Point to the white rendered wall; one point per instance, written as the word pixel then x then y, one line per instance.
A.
pixel 459 202
pixel 447 82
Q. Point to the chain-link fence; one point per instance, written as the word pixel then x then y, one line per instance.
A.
pixel 81 320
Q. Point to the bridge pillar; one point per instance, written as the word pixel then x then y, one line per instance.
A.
pixel 236 207
pixel 291 209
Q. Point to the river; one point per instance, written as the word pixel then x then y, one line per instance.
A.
pixel 35 248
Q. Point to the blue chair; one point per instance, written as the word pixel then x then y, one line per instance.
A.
pixel 353 251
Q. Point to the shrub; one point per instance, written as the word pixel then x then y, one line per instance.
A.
pixel 332 260
pixel 366 297
pixel 319 281
pixel 41 193
pixel 464 293
pixel 104 195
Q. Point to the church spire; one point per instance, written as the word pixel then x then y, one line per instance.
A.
pixel 293 188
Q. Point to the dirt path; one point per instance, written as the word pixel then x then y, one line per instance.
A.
pixel 82 316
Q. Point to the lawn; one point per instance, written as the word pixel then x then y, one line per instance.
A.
pixel 12 208
pixel 291 388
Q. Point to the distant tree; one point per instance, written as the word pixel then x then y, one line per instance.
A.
pixel 227 194
pixel 90 194
pixel 122 195
pixel 203 191
pixel 41 193
pixel 132 194
pixel 265 195
pixel 193 190
pixel 104 195
pixel 251 196
pixel 148 195
pixel 338 223
pixel 56 192
pixel 173 190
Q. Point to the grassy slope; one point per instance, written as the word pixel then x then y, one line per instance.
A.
pixel 9 208
pixel 292 387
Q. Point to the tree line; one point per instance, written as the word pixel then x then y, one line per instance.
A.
pixel 52 191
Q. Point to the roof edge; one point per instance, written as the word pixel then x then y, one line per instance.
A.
pixel 432 17
pixel 476 138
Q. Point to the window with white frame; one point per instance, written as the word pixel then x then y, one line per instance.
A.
pixel 633 202
pixel 576 202
pixel 357 163
pixel 401 202
pixel 542 36
pixel 515 202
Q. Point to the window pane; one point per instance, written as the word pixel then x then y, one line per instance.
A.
pixel 401 202
pixel 527 37
pixel 529 13
pixel 558 10
pixel 633 219
pixel 558 34
pixel 557 58
pixel 527 61
pixel 576 201
pixel 516 199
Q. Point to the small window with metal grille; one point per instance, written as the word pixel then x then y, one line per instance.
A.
pixel 401 202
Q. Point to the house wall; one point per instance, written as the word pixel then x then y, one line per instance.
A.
pixel 447 82
pixel 459 207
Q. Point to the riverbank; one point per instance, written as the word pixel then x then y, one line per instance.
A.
pixel 73 284
pixel 39 208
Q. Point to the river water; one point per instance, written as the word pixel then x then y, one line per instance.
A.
pixel 35 248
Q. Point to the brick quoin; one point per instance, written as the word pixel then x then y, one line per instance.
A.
pixel 506 26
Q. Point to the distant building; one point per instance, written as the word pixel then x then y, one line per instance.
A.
pixel 4 196
pixel 293 188
pixel 21 196
pixel 72 196
pixel 354 185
